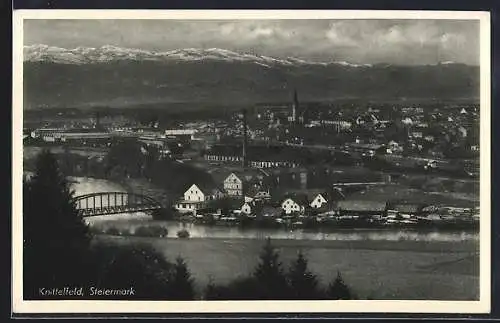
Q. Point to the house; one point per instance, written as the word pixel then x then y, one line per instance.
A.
pixel 197 196
pixel 247 208
pixel 326 199
pixel 429 138
pixel 233 185
pixel 319 200
pixel 239 181
pixel 257 193
pixel 259 156
pixel 295 203
pixel 417 134
pixel 251 208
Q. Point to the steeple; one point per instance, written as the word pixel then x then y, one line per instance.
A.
pixel 295 106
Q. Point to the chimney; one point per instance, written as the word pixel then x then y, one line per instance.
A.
pixel 244 154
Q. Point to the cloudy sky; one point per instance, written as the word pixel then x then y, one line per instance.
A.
pixel 355 41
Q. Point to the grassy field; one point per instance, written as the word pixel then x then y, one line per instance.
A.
pixel 374 269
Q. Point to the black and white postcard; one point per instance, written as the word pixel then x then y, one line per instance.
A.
pixel 251 161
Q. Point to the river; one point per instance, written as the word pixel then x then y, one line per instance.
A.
pixel 380 264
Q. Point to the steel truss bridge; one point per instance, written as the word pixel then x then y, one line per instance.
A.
pixel 107 203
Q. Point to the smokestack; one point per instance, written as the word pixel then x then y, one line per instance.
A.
pixel 244 157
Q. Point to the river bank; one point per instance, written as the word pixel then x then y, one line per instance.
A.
pixel 378 264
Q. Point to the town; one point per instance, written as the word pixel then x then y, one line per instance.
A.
pixel 297 164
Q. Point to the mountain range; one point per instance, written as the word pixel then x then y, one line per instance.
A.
pixel 115 76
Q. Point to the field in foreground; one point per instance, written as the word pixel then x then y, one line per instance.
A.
pixel 375 269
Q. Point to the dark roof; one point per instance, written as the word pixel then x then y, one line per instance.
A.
pixel 300 198
pixel 205 186
pixel 260 152
pixel 248 174
pixel 408 208
pixel 361 205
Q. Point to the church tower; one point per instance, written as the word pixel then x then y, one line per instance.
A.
pixel 295 106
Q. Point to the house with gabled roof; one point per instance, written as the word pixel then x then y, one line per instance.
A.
pixel 237 182
pixel 197 196
pixel 325 198
pixel 295 203
pixel 257 193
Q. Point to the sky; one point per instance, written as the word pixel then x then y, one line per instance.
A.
pixel 407 42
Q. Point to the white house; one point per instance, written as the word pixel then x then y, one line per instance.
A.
pixel 233 185
pixel 292 204
pixel 319 201
pixel 246 208
pixel 196 197
pixel 237 182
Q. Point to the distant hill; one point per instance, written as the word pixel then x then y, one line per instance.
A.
pixel 112 76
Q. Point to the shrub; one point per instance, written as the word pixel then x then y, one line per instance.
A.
pixel 95 229
pixel 112 231
pixel 183 233
pixel 151 231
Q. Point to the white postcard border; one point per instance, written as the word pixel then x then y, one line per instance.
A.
pixel 19 306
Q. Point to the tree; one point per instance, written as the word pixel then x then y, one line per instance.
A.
pixel 56 239
pixel 240 288
pixel 304 283
pixel 270 274
pixel 338 289
pixel 136 266
pixel 211 290
pixel 126 153
pixel 180 286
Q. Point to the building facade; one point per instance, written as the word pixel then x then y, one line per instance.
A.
pixel 196 198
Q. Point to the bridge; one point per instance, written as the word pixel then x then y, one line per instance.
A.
pixel 107 203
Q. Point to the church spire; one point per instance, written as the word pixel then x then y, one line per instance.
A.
pixel 295 106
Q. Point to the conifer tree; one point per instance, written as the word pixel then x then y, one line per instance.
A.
pixel 181 285
pixel 303 283
pixel 270 275
pixel 56 239
pixel 338 289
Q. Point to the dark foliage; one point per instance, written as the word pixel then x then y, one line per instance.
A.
pixel 338 289
pixel 242 288
pixel 270 282
pixel 270 275
pixel 151 231
pixel 125 158
pixel 122 267
pixel 303 283
pixel 180 285
pixel 55 237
